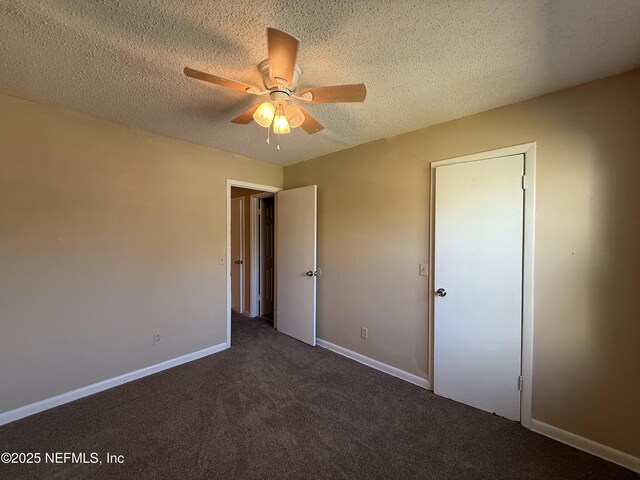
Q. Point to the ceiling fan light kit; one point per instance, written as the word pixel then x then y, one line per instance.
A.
pixel 294 115
pixel 280 112
pixel 280 123
pixel 264 114
pixel 280 76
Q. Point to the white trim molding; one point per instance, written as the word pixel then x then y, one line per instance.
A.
pixel 594 448
pixel 370 362
pixel 47 403
pixel 529 152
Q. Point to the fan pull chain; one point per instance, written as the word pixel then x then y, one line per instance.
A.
pixel 268 131
pixel 278 146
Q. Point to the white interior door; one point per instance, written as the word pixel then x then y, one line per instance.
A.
pixel 237 228
pixel 296 263
pixel 479 210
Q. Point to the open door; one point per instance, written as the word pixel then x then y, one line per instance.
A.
pixel 237 252
pixel 267 255
pixel 296 263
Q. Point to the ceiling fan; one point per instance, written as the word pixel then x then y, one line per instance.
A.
pixel 280 75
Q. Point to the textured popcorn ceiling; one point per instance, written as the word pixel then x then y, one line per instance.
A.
pixel 424 62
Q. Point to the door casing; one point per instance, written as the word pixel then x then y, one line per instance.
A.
pixel 529 151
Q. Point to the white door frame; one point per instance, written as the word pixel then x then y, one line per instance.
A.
pixel 254 233
pixel 529 151
pixel 242 245
pixel 240 184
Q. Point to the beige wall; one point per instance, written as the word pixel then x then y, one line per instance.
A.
pixel 373 219
pixel 107 235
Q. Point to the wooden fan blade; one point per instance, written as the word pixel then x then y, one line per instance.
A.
pixel 283 50
pixel 207 77
pixel 310 124
pixel 245 117
pixel 337 93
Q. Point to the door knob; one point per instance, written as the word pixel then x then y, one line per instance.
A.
pixel 311 273
pixel 238 262
pixel 441 292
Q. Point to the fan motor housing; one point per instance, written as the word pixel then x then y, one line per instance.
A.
pixel 280 97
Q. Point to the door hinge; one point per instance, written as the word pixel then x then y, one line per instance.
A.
pixel 524 182
pixel 259 211
pixel 259 297
pixel 520 383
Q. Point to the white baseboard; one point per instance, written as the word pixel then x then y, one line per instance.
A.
pixel 47 403
pixel 370 362
pixel 611 454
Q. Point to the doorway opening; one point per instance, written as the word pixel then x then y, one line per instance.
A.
pixel 285 233
pixel 242 230
pixel 252 255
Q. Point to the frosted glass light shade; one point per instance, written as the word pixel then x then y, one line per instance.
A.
pixel 280 124
pixel 264 114
pixel 294 115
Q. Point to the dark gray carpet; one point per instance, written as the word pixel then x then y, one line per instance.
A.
pixel 271 407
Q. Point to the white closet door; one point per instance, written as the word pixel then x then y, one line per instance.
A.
pixel 478 265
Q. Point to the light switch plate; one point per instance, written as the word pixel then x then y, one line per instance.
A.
pixel 424 269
